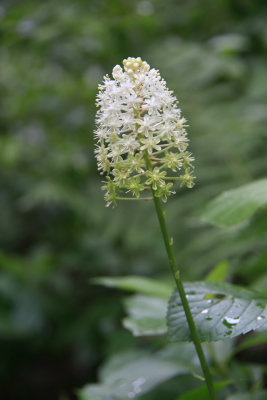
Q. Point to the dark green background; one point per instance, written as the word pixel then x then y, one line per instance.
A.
pixel 55 232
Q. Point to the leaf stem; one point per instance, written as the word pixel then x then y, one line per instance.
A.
pixel 180 287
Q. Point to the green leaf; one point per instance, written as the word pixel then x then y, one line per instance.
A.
pixel 140 376
pixel 145 326
pixel 219 272
pixel 220 310
pixel 129 375
pixel 237 205
pixel 95 392
pixel 137 284
pixel 261 395
pixel 201 393
pixel 147 315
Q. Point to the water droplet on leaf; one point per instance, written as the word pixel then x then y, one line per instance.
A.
pixel 229 322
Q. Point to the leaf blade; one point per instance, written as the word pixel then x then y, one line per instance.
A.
pixel 147 315
pixel 136 284
pixel 201 393
pixel 134 373
pixel 218 273
pixel 235 206
pixel 220 310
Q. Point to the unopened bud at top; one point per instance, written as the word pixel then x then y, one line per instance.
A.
pixel 135 65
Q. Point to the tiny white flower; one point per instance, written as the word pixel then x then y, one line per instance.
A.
pixel 129 144
pixel 140 133
pixel 150 143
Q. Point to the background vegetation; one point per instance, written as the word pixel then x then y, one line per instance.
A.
pixel 56 328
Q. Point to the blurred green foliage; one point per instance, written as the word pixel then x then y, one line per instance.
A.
pixel 55 232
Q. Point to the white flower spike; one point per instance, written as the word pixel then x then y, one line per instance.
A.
pixel 141 139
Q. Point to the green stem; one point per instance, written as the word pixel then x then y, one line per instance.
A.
pixel 180 287
pixel 134 198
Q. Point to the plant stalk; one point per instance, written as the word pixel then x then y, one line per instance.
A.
pixel 180 287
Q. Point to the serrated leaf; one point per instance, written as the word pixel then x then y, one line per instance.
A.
pixel 137 284
pixel 201 393
pixel 220 310
pixel 237 205
pixel 147 315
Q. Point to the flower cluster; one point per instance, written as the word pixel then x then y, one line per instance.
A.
pixel 141 139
